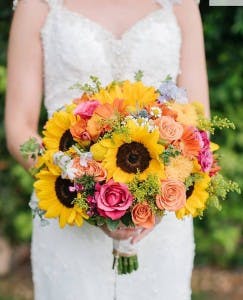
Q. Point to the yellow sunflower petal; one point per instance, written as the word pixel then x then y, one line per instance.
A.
pixel 213 146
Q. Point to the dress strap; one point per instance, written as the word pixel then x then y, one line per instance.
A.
pixel 167 3
pixel 170 3
pixel 51 3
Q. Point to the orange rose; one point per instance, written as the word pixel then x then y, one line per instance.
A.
pixel 173 195
pixel 143 216
pixel 78 128
pixel 169 129
pixel 93 168
pixel 81 170
pixel 94 126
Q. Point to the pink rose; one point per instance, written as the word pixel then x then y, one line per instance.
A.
pixel 85 109
pixel 205 139
pixel 205 160
pixel 113 199
pixel 85 136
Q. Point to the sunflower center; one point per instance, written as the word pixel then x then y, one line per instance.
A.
pixel 63 193
pixel 190 190
pixel 66 141
pixel 133 157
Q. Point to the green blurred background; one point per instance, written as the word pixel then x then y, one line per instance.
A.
pixel 218 235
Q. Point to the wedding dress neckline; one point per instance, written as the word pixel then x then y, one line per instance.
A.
pixel 98 26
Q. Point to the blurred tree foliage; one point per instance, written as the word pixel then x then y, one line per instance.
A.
pixel 218 235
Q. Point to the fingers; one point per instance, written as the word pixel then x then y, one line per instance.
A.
pixel 123 234
pixel 140 235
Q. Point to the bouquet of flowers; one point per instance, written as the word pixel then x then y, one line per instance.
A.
pixel 126 154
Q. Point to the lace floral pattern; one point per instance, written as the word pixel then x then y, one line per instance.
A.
pixel 76 263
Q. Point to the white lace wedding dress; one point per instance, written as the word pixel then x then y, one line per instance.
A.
pixel 74 263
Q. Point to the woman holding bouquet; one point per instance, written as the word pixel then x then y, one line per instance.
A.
pixel 56 43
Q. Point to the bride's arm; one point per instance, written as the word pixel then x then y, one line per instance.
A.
pixel 193 63
pixel 24 87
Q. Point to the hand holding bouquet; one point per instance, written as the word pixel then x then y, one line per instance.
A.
pixel 126 154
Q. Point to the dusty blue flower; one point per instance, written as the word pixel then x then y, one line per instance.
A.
pixel 170 91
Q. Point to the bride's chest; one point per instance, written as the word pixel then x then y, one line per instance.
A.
pixel 82 45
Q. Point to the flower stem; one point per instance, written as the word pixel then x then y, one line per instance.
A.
pixel 126 264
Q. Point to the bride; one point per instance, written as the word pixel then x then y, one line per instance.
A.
pixel 56 43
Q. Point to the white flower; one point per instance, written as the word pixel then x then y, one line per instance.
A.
pixel 68 171
pixel 155 111
pixel 60 159
pixel 84 158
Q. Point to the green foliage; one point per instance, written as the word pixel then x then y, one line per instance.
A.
pixel 219 188
pixel 145 190
pixel 171 151
pixel 112 224
pixel 215 122
pixel 81 201
pixel 218 235
pixel 192 179
pixel 30 149
pixel 88 182
pixel 89 88
pixel 127 220
pixel 138 75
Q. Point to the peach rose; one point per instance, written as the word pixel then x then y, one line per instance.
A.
pixel 93 168
pixel 143 216
pixel 80 170
pixel 169 129
pixel 173 195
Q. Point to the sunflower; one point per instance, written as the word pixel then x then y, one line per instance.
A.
pixel 57 135
pixel 126 155
pixel 134 94
pixel 47 160
pixel 197 197
pixel 56 199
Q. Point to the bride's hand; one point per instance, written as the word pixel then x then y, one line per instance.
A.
pixel 122 233
pixel 144 232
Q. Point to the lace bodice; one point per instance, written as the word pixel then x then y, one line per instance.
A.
pixel 76 47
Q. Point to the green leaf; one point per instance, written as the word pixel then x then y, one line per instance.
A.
pixel 127 220
pixel 138 75
pixel 112 224
pixel 30 149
